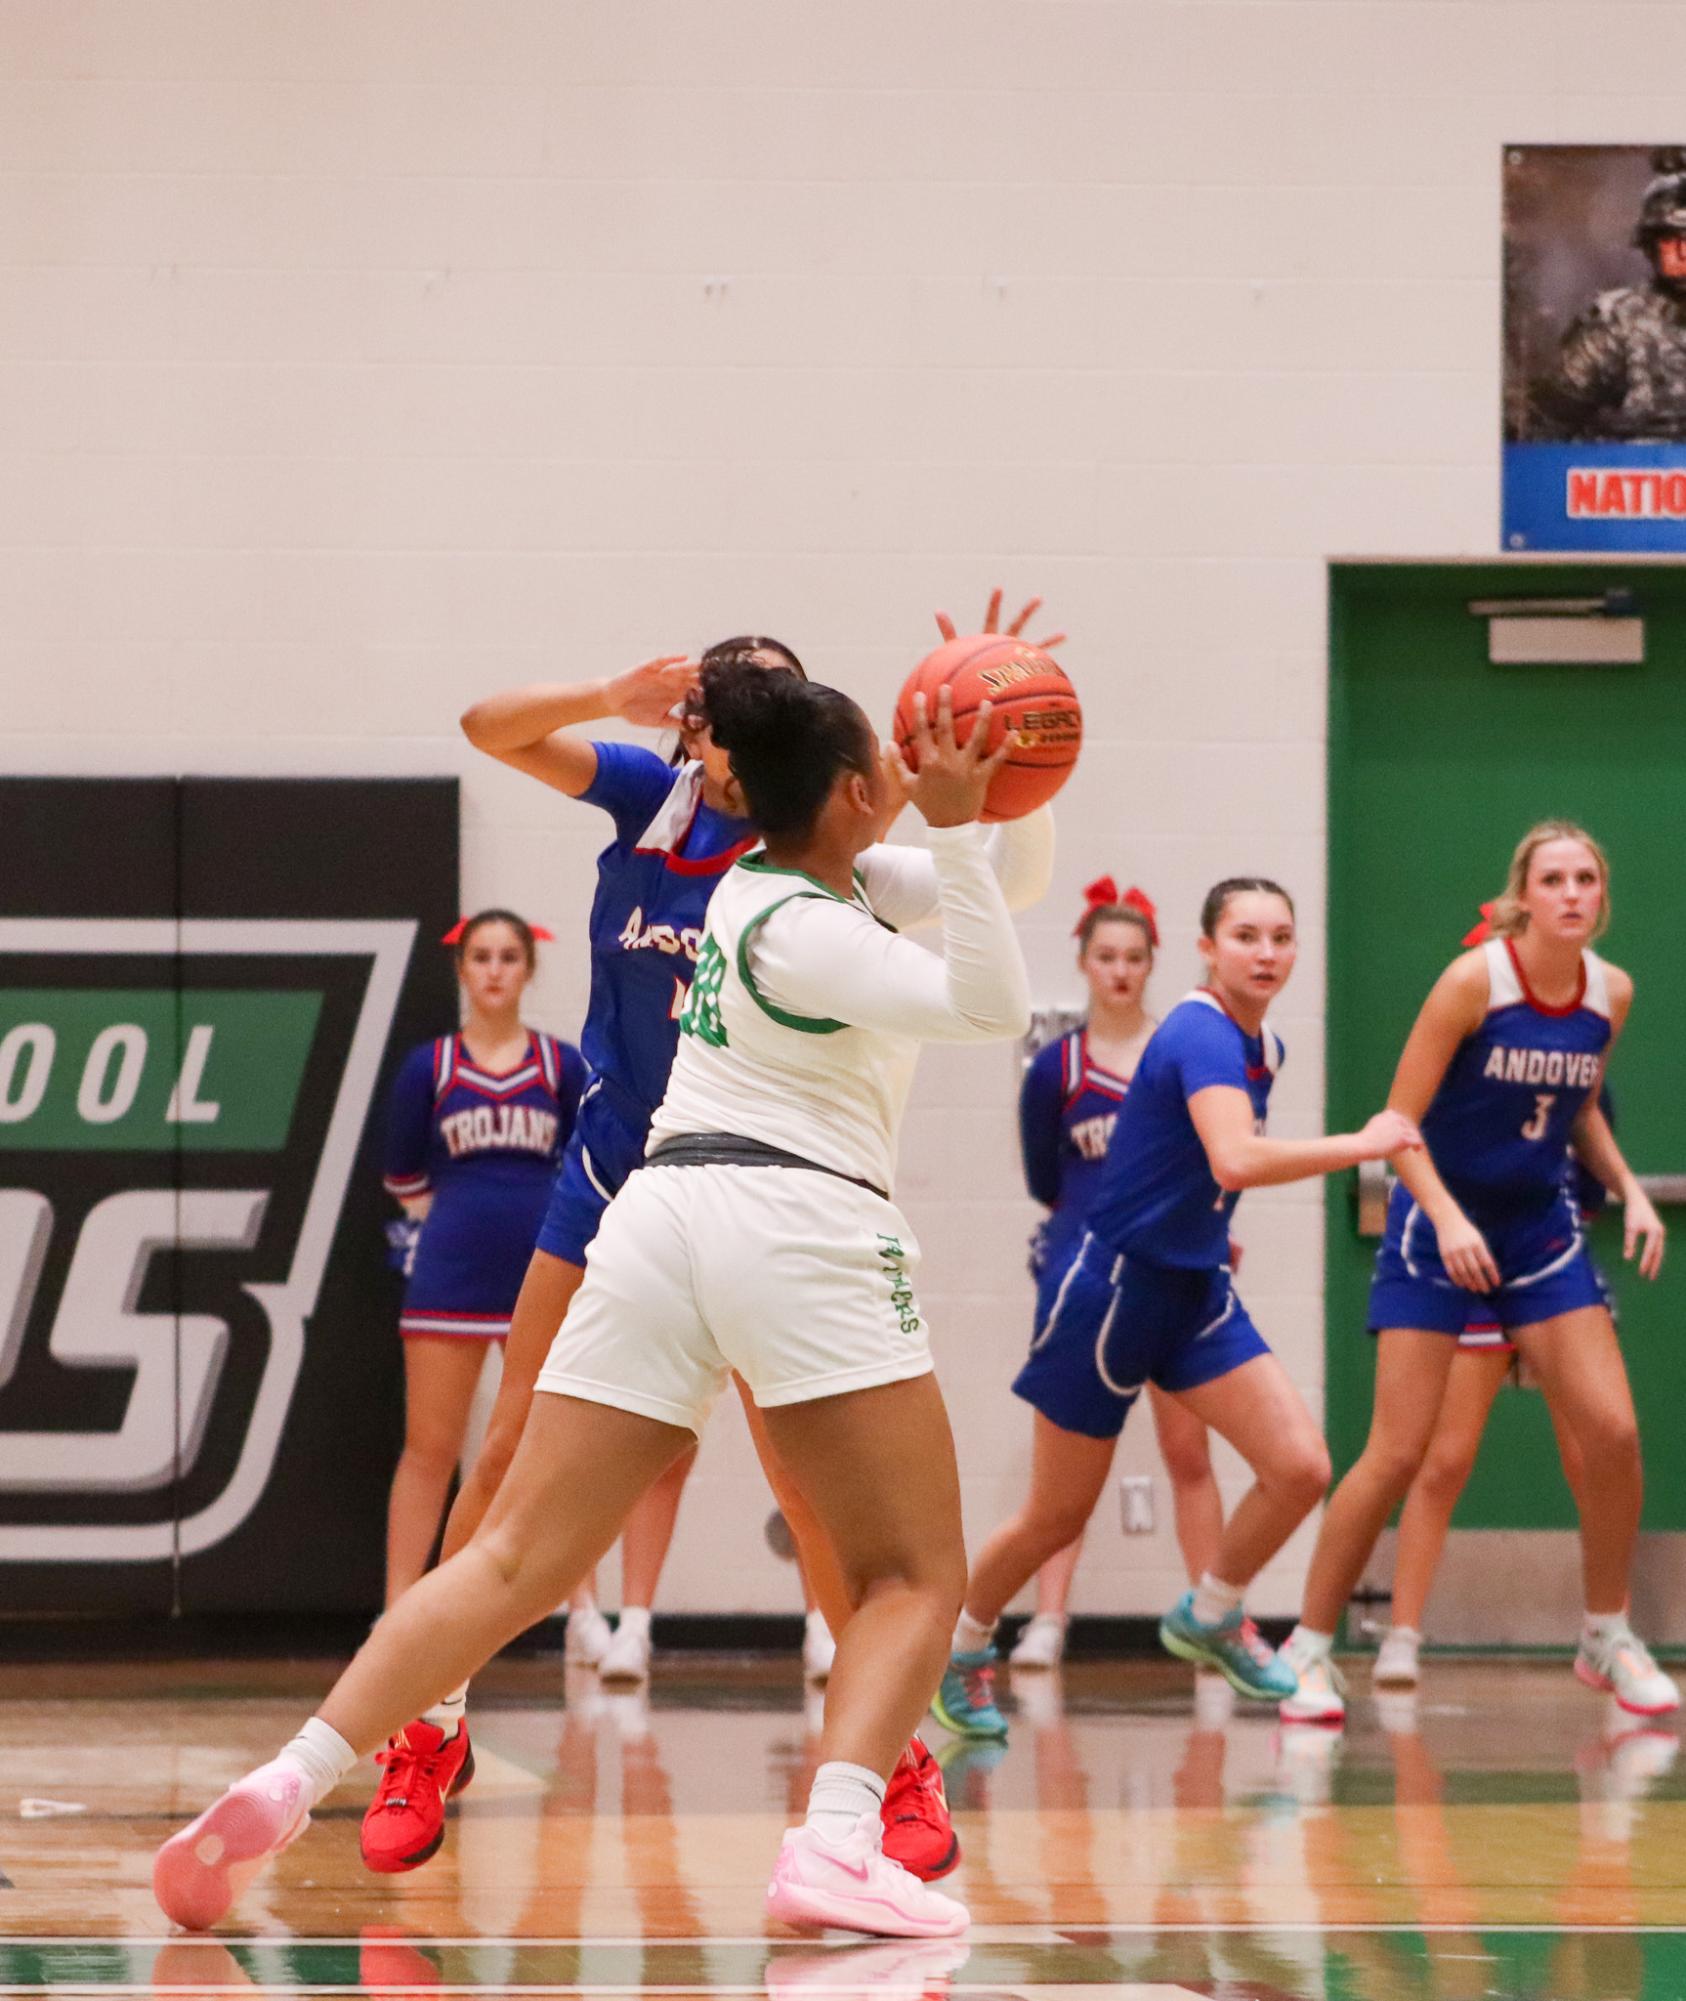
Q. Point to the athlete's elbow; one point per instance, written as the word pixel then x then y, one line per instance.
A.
pixel 473 724
pixel 1230 1172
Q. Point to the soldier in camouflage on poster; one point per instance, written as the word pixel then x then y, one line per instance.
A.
pixel 1621 369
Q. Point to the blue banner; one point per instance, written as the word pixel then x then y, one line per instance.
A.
pixel 1595 496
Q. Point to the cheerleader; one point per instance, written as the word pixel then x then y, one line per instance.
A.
pixel 478 1122
pixel 1068 1107
pixel 1503 1067
pixel 1150 1297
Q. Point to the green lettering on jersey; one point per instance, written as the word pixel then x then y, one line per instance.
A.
pixel 701 1013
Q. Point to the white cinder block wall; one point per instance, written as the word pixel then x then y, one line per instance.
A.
pixel 361 359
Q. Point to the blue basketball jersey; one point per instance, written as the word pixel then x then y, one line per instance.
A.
pixel 653 885
pixel 1157 1199
pixel 1499 1127
pixel 484 1144
pixel 1068 1106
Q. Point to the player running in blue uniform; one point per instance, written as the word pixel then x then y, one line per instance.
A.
pixel 477 1123
pixel 1150 1298
pixel 1503 1068
pixel 1068 1105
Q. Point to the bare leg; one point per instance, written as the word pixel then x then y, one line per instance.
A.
pixel 1412 1364
pixel 439 1378
pixel 1474 1381
pixel 1067 1472
pixel 578 1470
pixel 648 1534
pixel 1053 1580
pixel 821 1575
pixel 1258 1410
pixel 546 1293
pixel 878 1467
pixel 1579 1363
pixel 1196 1504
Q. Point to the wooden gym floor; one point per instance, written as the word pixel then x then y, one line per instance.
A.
pixel 1505 1834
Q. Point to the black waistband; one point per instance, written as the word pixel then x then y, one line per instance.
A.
pixel 733 1150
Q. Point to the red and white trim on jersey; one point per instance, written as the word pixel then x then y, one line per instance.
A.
pixel 456 1068
pixel 456 1326
pixel 1080 1074
pixel 667 832
pixel 1507 983
pixel 1267 1035
pixel 406 1187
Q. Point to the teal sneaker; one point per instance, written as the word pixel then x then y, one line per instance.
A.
pixel 965 1703
pixel 1234 1647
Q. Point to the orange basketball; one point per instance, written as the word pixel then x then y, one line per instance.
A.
pixel 1032 697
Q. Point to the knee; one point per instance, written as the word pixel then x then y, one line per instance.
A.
pixel 1052 1525
pixel 1444 1474
pixel 1392 1464
pixel 431 1454
pixel 1302 1473
pixel 1187 1466
pixel 931 1582
pixel 1610 1444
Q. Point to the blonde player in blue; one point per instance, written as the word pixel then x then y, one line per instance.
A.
pixel 1150 1297
pixel 1503 1068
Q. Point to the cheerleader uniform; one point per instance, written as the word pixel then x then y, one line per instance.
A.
pixel 1068 1106
pixel 484 1144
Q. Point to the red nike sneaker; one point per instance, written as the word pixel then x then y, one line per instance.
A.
pixel 406 1819
pixel 918 1832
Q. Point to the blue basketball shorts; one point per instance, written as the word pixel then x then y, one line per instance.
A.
pixel 1111 1324
pixel 607 1143
pixel 1544 1270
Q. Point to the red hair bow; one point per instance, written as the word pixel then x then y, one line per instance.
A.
pixel 1102 894
pixel 454 936
pixel 1480 933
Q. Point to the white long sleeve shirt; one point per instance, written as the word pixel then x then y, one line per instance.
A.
pixel 807 1010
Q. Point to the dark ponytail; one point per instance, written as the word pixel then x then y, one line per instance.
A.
pixel 788 740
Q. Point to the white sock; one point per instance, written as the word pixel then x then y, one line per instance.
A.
pixel 841 1795
pixel 1313 1645
pixel 1214 1600
pixel 322 1757
pixel 449 1711
pixel 1403 1633
pixel 1597 1627
pixel 634 1619
pixel 969 1636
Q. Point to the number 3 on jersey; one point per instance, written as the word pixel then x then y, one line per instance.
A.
pixel 1543 1102
pixel 700 1015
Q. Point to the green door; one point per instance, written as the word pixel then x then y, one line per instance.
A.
pixel 1438 762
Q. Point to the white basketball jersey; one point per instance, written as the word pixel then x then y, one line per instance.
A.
pixel 823 1089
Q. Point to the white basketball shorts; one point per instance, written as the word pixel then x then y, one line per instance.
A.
pixel 799 1280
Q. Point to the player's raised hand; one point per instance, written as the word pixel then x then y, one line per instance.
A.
pixel 1643 1231
pixel 949 781
pixel 649 694
pixel 992 623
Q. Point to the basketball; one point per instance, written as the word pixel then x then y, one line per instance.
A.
pixel 1033 699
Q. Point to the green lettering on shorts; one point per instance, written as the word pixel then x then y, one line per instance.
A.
pixel 700 1015
pixel 893 1258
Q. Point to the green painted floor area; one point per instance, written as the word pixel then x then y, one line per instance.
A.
pixel 1376 1964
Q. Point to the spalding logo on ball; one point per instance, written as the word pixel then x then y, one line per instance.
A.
pixel 1031 696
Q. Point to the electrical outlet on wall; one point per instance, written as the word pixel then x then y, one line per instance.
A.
pixel 1135 1502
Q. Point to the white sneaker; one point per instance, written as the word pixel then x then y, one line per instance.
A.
pixel 819 1649
pixel 1396 1658
pixel 627 1656
pixel 852 1883
pixel 588 1638
pixel 1041 1644
pixel 1621 1665
pixel 1318 1699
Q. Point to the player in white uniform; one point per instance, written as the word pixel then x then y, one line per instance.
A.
pixel 760 1236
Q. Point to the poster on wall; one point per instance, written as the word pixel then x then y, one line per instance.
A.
pixel 1595 348
pixel 202 1000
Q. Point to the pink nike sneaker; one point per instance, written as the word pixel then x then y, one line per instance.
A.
pixel 853 1884
pixel 198 1874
